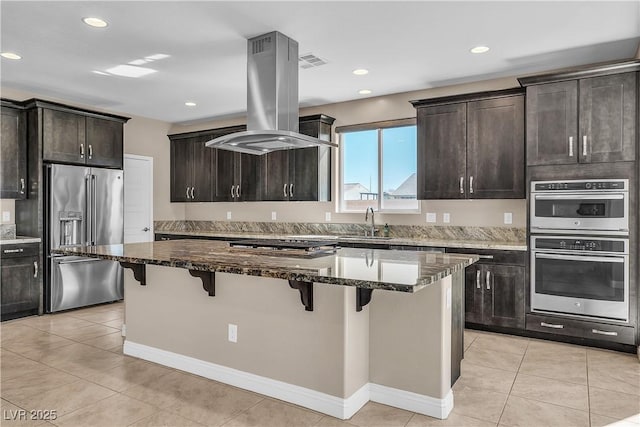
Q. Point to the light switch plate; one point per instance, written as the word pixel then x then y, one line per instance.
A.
pixel 228 214
pixel 446 217
pixel 327 216
pixel 233 332
pixel 6 216
pixel 274 216
pixel 431 217
pixel 508 218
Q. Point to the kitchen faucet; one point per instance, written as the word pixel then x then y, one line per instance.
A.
pixel 373 230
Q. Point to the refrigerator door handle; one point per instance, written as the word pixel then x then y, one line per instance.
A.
pixel 94 210
pixel 87 219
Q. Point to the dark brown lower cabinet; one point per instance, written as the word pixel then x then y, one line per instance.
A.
pixel 20 286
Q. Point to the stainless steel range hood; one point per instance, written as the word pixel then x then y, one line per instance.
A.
pixel 272 100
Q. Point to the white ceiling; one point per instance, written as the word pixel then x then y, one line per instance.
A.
pixel 405 45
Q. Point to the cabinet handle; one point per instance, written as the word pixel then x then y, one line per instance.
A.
pixel 570 146
pixel 90 151
pixel 284 190
pixel 192 188
pixel 607 333
pixel 187 192
pixel 584 145
pixel 232 193
pixel 471 184
pixel 22 186
pixel 488 280
pixel 478 279
pixel 238 190
pixel 82 151
pixel 485 256
pixel 551 325
pixel 462 185
pixel 290 190
pixel 13 251
pixel 35 268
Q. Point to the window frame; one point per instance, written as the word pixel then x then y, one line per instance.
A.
pixel 378 127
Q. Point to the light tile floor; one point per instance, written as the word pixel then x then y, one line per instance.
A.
pixel 72 362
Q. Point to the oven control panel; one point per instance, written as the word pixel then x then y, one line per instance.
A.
pixel 571 244
pixel 590 185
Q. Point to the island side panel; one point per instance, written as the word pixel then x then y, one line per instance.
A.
pixel 277 338
pixel 410 341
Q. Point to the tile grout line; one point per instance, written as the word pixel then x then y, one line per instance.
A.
pixel 514 381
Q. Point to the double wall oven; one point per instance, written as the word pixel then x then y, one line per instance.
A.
pixel 580 248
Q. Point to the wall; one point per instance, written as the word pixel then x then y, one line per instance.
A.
pixel 142 136
pixel 8 205
pixel 396 106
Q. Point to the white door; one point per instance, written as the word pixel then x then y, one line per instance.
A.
pixel 138 198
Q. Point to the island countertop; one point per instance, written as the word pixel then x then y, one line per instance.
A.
pixel 403 271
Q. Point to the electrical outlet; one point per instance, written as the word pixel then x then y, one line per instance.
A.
pixel 327 216
pixel 233 332
pixel 228 214
pixel 446 217
pixel 431 217
pixel 508 218
pixel 274 216
pixel 6 216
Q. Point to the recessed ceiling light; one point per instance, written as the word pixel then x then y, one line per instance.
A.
pixel 190 104
pixel 364 92
pixel 95 22
pixel 10 55
pixel 360 72
pixel 480 49
pixel 130 71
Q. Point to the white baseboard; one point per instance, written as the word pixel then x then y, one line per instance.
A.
pixel 321 402
pixel 426 405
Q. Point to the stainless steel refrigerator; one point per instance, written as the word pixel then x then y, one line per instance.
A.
pixel 84 206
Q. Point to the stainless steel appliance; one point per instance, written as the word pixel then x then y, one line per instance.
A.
pixel 84 206
pixel 597 206
pixel 584 276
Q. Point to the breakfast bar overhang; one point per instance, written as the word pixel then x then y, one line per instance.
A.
pixel 328 333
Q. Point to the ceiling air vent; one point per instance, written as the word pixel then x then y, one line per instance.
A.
pixel 310 60
pixel 261 45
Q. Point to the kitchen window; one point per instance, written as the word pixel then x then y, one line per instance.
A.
pixel 378 167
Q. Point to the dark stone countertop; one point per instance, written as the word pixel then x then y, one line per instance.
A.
pixel 403 271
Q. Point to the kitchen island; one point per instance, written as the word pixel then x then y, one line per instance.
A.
pixel 325 332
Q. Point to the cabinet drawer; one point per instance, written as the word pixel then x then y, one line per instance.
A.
pixel 581 329
pixel 18 250
pixel 494 256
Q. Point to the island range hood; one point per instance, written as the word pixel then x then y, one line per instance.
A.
pixel 272 100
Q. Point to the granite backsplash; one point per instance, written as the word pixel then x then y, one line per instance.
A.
pixel 427 232
pixel 7 231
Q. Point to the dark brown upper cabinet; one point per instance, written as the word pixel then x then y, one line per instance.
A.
pixel 192 164
pixel 471 146
pixel 301 174
pixel 13 140
pixel 82 137
pixel 583 115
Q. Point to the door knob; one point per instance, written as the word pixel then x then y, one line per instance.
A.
pixel 146 229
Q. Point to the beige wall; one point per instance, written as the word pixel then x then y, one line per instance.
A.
pixel 397 106
pixel 8 205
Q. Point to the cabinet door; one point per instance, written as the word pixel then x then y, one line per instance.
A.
pixel 608 118
pixel 20 293
pixel 13 169
pixel 304 174
pixel 63 137
pixel 249 170
pixel 552 123
pixel 202 166
pixel 442 147
pixel 503 295
pixel 225 180
pixel 276 175
pixel 104 142
pixel 180 172
pixel 473 294
pixel 495 148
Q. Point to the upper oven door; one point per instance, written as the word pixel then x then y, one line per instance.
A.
pixel 605 212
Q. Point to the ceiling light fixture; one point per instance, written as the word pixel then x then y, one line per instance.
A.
pixel 10 55
pixel 361 72
pixel 364 92
pixel 480 49
pixel 130 71
pixel 95 22
pixel 190 104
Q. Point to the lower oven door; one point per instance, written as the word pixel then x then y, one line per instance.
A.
pixel 594 286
